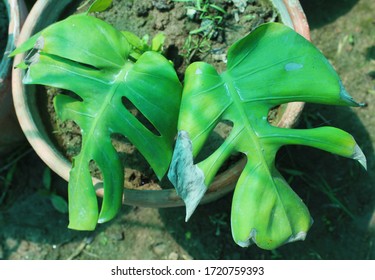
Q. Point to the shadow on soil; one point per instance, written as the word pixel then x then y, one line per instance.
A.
pixel 30 227
pixel 337 191
pixel 322 12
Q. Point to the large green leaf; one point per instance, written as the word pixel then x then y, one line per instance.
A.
pixel 89 57
pixel 271 66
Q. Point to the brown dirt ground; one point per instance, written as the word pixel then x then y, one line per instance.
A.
pixel 30 228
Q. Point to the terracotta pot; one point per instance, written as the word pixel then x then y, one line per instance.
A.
pixel 46 11
pixel 10 132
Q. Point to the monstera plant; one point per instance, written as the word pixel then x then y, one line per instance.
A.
pixel 271 66
pixel 91 58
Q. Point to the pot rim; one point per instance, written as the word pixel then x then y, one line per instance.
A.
pixel 292 15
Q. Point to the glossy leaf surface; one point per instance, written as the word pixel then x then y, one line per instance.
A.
pixel 89 57
pixel 271 66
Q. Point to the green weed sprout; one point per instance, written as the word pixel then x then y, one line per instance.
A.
pixel 141 45
pixel 271 66
pixel 89 57
pixel 211 17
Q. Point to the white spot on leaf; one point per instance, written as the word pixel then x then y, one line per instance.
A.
pixel 292 66
pixel 198 71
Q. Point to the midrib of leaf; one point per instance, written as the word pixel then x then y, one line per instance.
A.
pixel 91 140
pixel 97 120
pixel 107 102
pixel 244 120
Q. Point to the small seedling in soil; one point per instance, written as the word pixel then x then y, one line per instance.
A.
pixel 58 202
pixel 211 19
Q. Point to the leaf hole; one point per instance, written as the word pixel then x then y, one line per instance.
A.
pixel 72 94
pixel 277 113
pixel 139 116
pixel 138 172
pixel 216 138
pixel 95 170
pixel 274 115
pixel 88 66
pixel 68 60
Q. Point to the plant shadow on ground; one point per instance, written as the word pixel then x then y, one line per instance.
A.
pixel 30 227
pixel 322 12
pixel 337 191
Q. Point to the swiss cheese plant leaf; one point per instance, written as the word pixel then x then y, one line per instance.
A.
pixel 89 57
pixel 271 66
